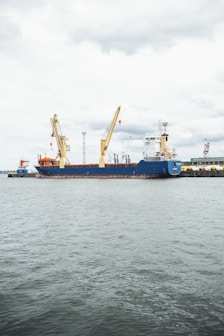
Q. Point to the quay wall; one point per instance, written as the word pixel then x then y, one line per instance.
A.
pixel 202 173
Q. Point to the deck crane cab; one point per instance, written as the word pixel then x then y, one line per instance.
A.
pixel 61 142
pixel 104 143
pixel 164 149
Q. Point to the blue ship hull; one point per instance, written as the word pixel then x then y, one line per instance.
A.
pixel 143 169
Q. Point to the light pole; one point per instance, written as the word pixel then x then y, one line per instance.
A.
pixel 84 148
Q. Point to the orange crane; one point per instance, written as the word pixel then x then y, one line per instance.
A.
pixel 104 143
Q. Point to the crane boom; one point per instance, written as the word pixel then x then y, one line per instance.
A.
pixel 61 141
pixel 105 142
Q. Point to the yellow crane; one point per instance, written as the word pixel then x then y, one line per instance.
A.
pixel 105 142
pixel 61 142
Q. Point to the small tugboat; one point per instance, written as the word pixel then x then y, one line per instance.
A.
pixel 23 170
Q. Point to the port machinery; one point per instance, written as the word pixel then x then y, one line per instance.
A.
pixel 204 163
pixel 161 164
pixel 206 147
pixel 61 158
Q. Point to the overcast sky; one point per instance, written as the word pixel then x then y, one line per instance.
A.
pixel 160 60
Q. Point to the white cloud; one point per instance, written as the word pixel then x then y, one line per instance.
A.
pixel 127 26
pixel 81 59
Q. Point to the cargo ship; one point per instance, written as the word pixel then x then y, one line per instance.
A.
pixel 159 163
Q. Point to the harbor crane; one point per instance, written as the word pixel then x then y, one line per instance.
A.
pixel 61 142
pixel 206 147
pixel 104 143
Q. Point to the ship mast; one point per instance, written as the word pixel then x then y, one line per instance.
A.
pixel 61 142
pixel 104 143
pixel 164 149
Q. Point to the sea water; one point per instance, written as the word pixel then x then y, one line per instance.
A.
pixel 111 257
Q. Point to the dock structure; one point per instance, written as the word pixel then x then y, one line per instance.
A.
pixel 203 167
pixel 202 173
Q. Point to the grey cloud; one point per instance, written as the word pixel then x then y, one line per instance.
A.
pixel 9 30
pixel 196 135
pixel 21 4
pixel 158 31
pixel 204 103
pixel 219 113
